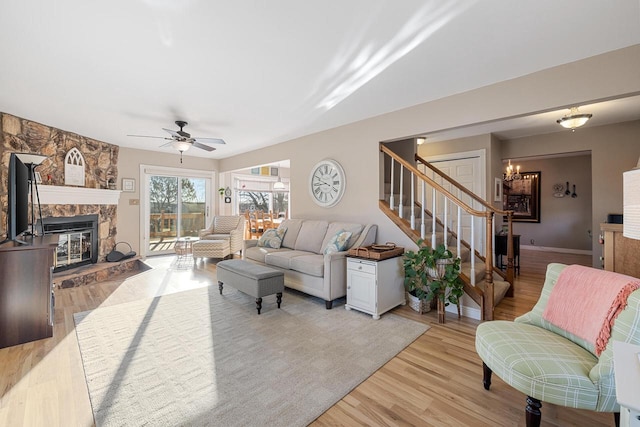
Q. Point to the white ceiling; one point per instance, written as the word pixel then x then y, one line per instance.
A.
pixel 259 73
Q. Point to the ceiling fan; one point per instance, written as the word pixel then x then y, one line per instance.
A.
pixel 182 141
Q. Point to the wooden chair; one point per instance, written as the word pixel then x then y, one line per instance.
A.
pixel 255 229
pixel 267 220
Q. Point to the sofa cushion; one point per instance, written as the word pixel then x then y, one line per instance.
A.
pixel 339 242
pixel 311 236
pixel 258 254
pixel 225 224
pixel 272 238
pixel 216 237
pixel 282 258
pixel 335 227
pixel 312 265
pixel 293 228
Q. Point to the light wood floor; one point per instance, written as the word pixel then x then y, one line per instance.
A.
pixel 434 381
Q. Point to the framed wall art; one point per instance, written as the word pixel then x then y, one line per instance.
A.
pixel 128 185
pixel 497 190
pixel 522 196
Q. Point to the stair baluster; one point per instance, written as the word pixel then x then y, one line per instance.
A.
pixel 472 271
pixel 459 232
pixel 391 198
pixel 433 218
pixel 422 210
pixel 413 202
pixel 400 207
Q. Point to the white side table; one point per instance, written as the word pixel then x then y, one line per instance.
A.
pixel 373 286
pixel 626 366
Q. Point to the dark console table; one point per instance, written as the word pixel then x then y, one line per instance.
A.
pixel 26 290
pixel 501 250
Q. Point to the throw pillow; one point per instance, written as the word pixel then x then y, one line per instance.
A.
pixel 272 238
pixel 338 242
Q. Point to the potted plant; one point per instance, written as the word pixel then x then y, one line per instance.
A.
pixel 444 279
pixel 416 280
pixel 433 273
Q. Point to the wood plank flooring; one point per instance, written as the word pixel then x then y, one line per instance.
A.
pixel 436 381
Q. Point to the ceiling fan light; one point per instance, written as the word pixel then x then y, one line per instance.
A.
pixel 181 145
pixel 574 119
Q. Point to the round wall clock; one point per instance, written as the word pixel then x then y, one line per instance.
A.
pixel 327 183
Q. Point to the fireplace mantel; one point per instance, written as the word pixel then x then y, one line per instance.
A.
pixel 62 195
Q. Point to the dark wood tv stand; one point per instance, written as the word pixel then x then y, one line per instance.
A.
pixel 26 290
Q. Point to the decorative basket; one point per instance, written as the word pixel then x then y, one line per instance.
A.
pixel 421 306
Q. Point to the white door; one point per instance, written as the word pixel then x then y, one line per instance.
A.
pixel 468 170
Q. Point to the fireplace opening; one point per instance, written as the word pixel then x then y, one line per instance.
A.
pixel 77 240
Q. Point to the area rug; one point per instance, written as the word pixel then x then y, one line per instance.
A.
pixel 200 358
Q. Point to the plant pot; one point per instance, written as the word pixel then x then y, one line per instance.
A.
pixel 438 272
pixel 421 306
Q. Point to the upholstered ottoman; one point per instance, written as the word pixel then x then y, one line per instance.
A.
pixel 254 280
pixel 210 249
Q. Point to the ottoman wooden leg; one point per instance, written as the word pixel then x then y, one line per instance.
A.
pixel 220 286
pixel 259 304
pixel 279 298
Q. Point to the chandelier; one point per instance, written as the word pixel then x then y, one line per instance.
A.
pixel 574 119
pixel 510 175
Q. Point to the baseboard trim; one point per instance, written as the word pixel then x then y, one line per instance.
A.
pixel 561 250
pixel 470 312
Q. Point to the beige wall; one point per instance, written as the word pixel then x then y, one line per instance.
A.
pixel 614 150
pixel 564 222
pixel 129 204
pixel 355 145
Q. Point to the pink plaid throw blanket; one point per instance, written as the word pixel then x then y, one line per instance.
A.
pixel 586 301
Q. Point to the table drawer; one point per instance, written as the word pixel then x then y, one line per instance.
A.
pixel 363 267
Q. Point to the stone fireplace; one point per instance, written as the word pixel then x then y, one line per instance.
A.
pixel 77 240
pixel 61 205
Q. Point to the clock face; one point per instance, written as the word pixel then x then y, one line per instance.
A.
pixel 326 183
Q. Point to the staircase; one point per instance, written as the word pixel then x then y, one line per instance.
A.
pixel 427 204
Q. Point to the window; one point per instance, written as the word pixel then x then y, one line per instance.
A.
pixel 255 194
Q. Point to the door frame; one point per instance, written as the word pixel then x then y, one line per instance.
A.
pixel 148 170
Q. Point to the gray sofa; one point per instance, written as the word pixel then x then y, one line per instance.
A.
pixel 302 259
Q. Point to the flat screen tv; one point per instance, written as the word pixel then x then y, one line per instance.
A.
pixel 18 189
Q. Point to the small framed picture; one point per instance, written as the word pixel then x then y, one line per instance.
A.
pixel 497 192
pixel 128 185
pixel 38 177
pixel 227 199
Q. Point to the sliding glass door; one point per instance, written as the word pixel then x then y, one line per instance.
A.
pixel 177 207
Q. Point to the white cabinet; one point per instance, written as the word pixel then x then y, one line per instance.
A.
pixel 374 287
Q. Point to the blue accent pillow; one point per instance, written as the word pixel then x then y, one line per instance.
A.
pixel 272 238
pixel 339 242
